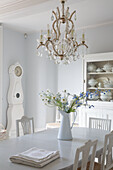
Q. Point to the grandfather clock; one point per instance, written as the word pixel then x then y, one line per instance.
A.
pixel 15 98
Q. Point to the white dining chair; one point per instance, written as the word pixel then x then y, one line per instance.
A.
pixel 98 123
pixel 88 152
pixel 107 157
pixel 26 125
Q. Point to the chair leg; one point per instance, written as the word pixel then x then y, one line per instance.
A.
pixel 99 158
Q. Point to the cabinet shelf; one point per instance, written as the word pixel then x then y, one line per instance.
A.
pixel 95 88
pixel 100 73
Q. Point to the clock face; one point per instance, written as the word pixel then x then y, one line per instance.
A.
pixel 18 71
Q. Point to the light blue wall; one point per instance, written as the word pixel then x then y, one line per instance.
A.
pixel 99 40
pixel 41 75
pixel 13 51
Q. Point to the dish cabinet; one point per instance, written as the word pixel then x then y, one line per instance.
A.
pixel 103 75
pixel 98 74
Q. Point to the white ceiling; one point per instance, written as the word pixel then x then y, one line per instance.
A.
pixel 33 15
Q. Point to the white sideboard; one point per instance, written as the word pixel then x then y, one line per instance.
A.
pixel 100 110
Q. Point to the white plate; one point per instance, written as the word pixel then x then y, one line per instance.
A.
pixel 102 80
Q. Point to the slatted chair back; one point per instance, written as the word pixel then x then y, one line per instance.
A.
pixel 87 150
pixel 107 158
pixel 98 123
pixel 27 125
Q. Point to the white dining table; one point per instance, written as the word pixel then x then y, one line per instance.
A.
pixel 48 140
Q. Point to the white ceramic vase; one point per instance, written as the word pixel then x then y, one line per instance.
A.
pixel 65 129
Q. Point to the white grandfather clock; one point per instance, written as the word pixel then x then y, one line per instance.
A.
pixel 15 98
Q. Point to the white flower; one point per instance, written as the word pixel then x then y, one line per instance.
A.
pixel 48 90
pixel 53 97
pixel 64 100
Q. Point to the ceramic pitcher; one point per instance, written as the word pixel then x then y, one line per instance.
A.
pixel 65 129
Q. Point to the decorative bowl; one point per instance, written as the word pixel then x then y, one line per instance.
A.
pixel 92 82
pixel 93 97
pixel 106 96
pixel 99 70
pixel 107 67
pixel 91 67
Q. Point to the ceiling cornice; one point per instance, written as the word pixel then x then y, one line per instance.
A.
pixel 9 6
pixel 95 26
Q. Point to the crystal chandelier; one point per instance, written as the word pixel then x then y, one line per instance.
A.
pixel 60 42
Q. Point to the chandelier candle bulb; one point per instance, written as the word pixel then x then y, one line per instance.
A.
pixel 48 26
pixel 83 37
pixel 72 33
pixel 48 31
pixel 41 37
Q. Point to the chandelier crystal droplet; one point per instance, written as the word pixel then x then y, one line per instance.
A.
pixel 60 42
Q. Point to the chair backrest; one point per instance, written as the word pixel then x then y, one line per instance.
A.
pixel 107 157
pixel 88 151
pixel 98 123
pixel 26 125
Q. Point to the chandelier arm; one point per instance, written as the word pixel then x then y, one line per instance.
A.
pixel 56 22
pixel 66 29
pixel 54 14
pixel 82 43
pixel 58 26
pixel 72 15
pixel 72 26
pixel 46 44
pixel 41 44
pixel 66 21
pixel 53 47
pixel 54 28
pixel 58 11
pixel 67 12
pixel 86 45
pixel 59 33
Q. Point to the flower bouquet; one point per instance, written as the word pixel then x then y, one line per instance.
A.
pixel 65 101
